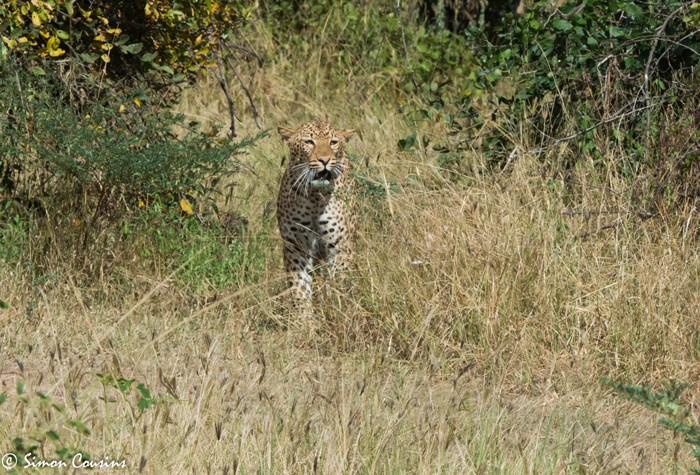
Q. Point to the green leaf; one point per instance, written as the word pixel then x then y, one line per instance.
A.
pixel 143 390
pixel 3 397
pixel 37 71
pixel 616 31
pixel 134 48
pixel 562 25
pixel 89 57
pixel 53 435
pixel 124 384
pixel 149 57
pixel 633 10
pixel 146 400
pixel 164 67
pixel 105 379
pixel 80 427
pixel 20 387
pixel 408 142
pixel 4 304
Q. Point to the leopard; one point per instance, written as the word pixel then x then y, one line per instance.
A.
pixel 315 207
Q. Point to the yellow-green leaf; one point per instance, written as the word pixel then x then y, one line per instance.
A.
pixel 185 205
pixel 54 53
pixel 105 58
pixel 52 46
pixel 35 19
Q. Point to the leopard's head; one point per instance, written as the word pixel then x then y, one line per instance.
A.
pixel 317 154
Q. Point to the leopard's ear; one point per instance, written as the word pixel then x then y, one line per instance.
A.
pixel 286 133
pixel 346 134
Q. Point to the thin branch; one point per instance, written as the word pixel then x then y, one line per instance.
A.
pixel 247 50
pixel 224 86
pixel 618 116
pixel 586 234
pixel 641 216
pixel 660 30
pixel 247 93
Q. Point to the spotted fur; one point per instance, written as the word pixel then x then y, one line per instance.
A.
pixel 314 204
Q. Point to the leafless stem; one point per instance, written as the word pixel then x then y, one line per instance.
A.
pixel 618 116
pixel 641 216
pixel 247 93
pixel 224 86
pixel 657 36
pixel 250 51
pixel 611 225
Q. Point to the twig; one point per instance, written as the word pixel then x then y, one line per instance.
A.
pixel 641 215
pixel 247 93
pixel 657 36
pixel 224 86
pixel 247 50
pixel 588 129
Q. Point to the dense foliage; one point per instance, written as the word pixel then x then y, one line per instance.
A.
pixel 87 136
pixel 120 37
pixel 616 62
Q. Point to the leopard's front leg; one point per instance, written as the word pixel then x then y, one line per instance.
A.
pixel 298 263
pixel 336 232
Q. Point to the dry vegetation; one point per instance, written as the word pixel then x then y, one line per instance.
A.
pixel 482 316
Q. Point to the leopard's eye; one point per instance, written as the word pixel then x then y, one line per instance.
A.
pixel 334 141
pixel 309 142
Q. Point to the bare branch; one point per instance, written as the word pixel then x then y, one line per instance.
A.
pixel 247 93
pixel 618 116
pixel 249 51
pixel 641 216
pixel 657 36
pixel 224 86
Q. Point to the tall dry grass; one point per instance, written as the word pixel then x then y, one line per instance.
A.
pixel 482 314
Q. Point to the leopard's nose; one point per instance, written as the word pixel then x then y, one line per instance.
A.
pixel 324 161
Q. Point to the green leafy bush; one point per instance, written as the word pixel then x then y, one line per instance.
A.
pixel 599 76
pixel 612 56
pixel 80 173
pixel 119 146
pixel 122 38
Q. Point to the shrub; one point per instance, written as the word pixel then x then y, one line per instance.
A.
pixel 122 38
pixel 82 171
pixel 597 76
